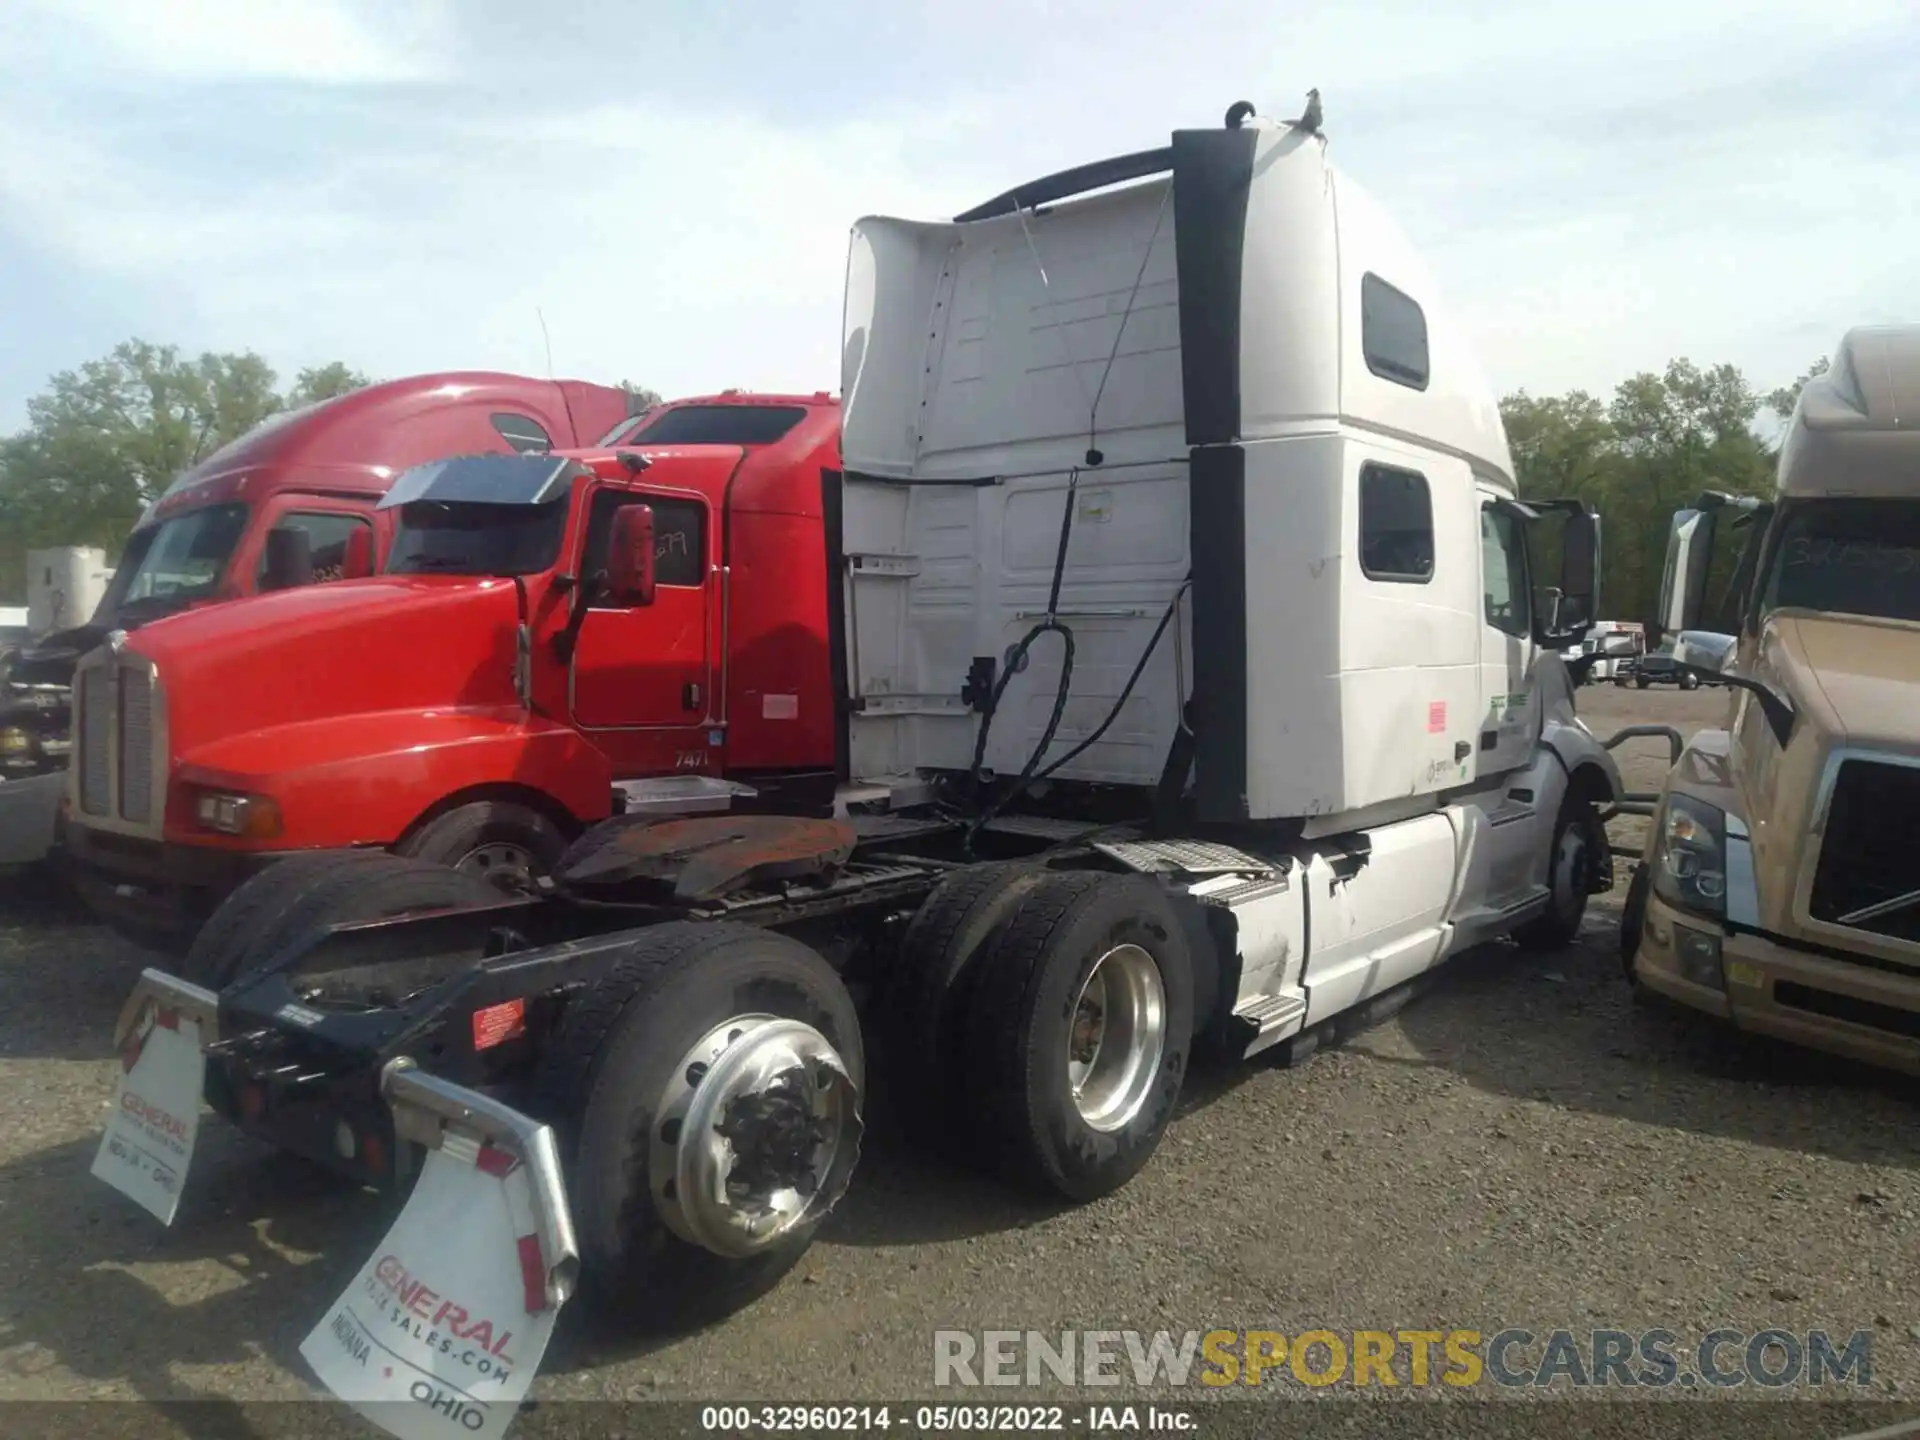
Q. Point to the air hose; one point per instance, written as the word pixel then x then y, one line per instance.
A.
pixel 1031 773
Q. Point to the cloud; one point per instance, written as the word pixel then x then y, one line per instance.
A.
pixel 314 41
pixel 404 185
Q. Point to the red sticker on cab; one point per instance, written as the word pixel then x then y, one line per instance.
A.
pixel 1436 717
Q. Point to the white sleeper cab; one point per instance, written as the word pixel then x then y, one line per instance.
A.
pixel 1227 392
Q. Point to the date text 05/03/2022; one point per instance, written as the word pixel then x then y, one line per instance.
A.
pixel 947 1419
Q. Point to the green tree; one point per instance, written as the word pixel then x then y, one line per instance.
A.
pixel 639 397
pixel 1660 441
pixel 324 382
pixel 104 439
pixel 1782 399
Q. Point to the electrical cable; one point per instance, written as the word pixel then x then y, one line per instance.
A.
pixel 1030 773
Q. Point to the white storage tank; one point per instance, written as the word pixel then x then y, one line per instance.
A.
pixel 64 586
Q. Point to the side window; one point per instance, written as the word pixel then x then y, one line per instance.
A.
pixel 1396 526
pixel 679 536
pixel 1503 569
pixel 1393 334
pixel 326 549
pixel 524 433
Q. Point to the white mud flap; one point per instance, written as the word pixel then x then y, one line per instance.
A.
pixel 148 1143
pixel 440 1333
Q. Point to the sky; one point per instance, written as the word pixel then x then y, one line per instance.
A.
pixel 415 185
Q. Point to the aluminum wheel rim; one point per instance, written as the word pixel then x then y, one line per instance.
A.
pixel 500 862
pixel 755 1136
pixel 1116 1038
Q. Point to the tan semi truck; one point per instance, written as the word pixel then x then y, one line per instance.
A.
pixel 1780 885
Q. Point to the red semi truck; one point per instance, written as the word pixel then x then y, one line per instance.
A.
pixel 478 702
pixel 319 471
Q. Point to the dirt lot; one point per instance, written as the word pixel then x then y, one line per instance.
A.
pixel 1518 1147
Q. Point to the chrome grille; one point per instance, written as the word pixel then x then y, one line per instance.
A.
pixel 1869 867
pixel 96 715
pixel 136 744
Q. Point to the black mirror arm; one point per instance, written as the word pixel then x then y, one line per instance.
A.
pixel 584 594
pixel 1779 713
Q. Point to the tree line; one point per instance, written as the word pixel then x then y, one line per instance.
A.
pixel 104 439
pixel 1649 450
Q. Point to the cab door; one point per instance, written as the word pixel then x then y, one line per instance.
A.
pixel 1508 722
pixel 642 678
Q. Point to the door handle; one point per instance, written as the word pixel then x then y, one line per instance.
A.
pixel 1461 749
pixel 690 695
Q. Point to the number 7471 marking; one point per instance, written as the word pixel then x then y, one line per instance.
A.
pixel 690 760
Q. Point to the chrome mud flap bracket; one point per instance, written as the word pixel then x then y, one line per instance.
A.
pixel 441 1331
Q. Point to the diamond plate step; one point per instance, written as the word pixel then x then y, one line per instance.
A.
pixel 1188 857
pixel 1275 1017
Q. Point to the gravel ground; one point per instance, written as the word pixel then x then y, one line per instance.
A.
pixel 1519 1146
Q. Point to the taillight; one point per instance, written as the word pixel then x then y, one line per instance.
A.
pixel 498 1024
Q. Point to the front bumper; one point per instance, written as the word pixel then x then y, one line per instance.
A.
pixel 1843 1007
pixel 156 891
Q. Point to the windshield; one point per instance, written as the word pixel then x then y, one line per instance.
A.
pixel 443 538
pixel 180 560
pixel 1849 557
pixel 708 425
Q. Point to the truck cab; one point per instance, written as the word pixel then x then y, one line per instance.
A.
pixel 478 700
pixel 280 507
pixel 1780 887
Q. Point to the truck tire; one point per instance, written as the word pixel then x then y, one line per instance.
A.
pixel 1689 682
pixel 1641 682
pixel 925 998
pixel 508 845
pixel 1571 858
pixel 272 909
pixel 643 1067
pixel 1057 1099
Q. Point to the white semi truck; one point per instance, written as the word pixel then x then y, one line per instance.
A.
pixel 1199 686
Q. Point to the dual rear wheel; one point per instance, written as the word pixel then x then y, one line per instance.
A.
pixel 1047 1019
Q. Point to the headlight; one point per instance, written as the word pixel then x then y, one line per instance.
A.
pixel 15 741
pixel 254 816
pixel 1689 856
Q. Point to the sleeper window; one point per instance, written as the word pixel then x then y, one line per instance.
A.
pixel 1393 334
pixel 1396 526
pixel 524 433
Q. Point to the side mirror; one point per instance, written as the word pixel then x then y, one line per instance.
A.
pixel 1579 574
pixel 358 562
pixel 1565 612
pixel 1703 650
pixel 289 557
pixel 1683 583
pixel 630 556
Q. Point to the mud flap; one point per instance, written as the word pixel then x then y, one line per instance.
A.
pixel 440 1333
pixel 155 1118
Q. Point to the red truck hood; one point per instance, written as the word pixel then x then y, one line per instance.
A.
pixel 394 642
